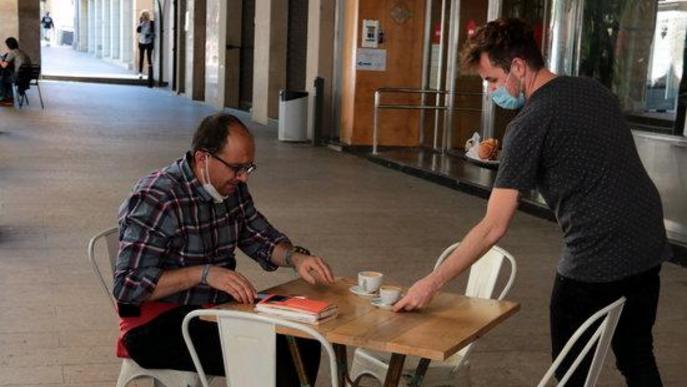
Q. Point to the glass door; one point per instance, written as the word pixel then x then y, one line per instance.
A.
pixel 471 110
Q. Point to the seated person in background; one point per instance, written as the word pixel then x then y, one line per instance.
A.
pixel 10 62
pixel 178 231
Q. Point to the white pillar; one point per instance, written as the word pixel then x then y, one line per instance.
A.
pixel 84 26
pixel 269 63
pixel 188 55
pixel 98 29
pixel 107 33
pixel 215 52
pixel 127 30
pixel 115 28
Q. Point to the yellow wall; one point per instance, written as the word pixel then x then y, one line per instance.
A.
pixel 9 22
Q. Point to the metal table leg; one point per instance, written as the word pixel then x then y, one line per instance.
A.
pixel 420 372
pixel 297 361
pixel 393 376
pixel 342 363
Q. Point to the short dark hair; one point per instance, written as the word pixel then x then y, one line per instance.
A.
pixel 212 133
pixel 502 40
pixel 12 43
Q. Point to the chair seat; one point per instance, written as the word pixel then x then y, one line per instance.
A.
pixel 169 378
pixel 377 364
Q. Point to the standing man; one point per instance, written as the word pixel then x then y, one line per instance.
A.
pixel 178 232
pixel 48 25
pixel 571 142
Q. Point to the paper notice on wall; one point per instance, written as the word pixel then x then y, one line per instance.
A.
pixel 370 59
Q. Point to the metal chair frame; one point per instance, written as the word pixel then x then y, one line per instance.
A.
pixel 27 75
pixel 130 369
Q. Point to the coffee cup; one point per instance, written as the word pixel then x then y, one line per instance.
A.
pixel 370 281
pixel 389 294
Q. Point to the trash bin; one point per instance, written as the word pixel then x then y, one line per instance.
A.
pixel 293 115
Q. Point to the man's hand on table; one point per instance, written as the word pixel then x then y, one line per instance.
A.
pixel 233 283
pixel 418 296
pixel 312 269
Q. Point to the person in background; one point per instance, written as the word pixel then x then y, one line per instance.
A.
pixel 571 142
pixel 48 27
pixel 10 63
pixel 146 40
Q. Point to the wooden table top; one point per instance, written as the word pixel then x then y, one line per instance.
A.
pixel 449 323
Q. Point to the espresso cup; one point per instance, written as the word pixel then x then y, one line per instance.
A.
pixel 370 281
pixel 389 294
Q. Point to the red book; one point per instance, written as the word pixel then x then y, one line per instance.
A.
pixel 296 308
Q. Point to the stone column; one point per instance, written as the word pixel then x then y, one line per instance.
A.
pixel 91 26
pixel 29 36
pixel 215 52
pixel 126 53
pixel 269 69
pixel 107 33
pixel 84 26
pixel 320 56
pixel 116 35
pixel 98 28
pixel 195 49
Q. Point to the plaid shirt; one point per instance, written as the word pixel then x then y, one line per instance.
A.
pixel 170 222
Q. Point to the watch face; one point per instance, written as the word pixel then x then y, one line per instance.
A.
pixel 301 250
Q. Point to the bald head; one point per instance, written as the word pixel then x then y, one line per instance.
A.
pixel 216 130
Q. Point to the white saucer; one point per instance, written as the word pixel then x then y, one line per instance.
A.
pixel 377 301
pixel 355 289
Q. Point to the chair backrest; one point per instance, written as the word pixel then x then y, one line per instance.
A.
pixel 602 338
pixel 481 284
pixel 249 346
pixel 485 272
pixel 111 238
pixel 35 72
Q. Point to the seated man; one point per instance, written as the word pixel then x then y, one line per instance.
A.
pixel 178 231
pixel 10 62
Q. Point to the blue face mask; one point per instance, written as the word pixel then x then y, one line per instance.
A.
pixel 502 97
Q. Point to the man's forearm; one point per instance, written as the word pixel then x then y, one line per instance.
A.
pixel 500 211
pixel 476 243
pixel 178 280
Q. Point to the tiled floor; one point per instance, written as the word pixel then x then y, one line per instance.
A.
pixel 65 61
pixel 64 170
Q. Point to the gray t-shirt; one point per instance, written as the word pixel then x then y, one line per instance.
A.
pixel 571 142
pixel 18 58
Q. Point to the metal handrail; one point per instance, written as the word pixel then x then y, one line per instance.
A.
pixel 406 90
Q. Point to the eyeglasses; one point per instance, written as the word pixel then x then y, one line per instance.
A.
pixel 238 169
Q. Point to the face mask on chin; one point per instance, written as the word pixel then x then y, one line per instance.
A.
pixel 502 97
pixel 209 188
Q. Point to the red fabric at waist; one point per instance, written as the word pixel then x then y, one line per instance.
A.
pixel 149 310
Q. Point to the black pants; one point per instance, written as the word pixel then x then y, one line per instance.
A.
pixel 148 49
pixel 573 302
pixel 160 344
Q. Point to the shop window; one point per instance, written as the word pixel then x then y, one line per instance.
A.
pixel 636 48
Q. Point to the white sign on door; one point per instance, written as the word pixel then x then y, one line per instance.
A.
pixel 370 59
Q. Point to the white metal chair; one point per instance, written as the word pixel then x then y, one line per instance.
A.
pixel 481 283
pixel 130 369
pixel 602 337
pixel 249 346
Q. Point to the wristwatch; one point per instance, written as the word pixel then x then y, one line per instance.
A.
pixel 204 275
pixel 288 257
